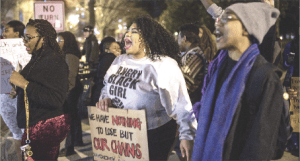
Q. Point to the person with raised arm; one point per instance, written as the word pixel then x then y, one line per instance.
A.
pixel 231 126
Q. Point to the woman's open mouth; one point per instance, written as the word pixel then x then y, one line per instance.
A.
pixel 128 43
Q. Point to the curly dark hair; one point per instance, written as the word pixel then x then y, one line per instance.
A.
pixel 158 41
pixel 46 30
pixel 17 26
pixel 70 44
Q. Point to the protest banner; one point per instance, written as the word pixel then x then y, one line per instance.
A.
pixel 118 135
pixel 294 105
pixel 12 53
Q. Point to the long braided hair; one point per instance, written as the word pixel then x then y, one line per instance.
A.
pixel 46 30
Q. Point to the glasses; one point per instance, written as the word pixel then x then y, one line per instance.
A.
pixel 224 19
pixel 60 41
pixel 27 38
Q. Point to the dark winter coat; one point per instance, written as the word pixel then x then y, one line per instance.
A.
pixel 254 128
pixel 91 49
pixel 105 60
pixel 47 88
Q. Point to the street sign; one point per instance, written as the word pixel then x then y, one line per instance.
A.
pixel 53 11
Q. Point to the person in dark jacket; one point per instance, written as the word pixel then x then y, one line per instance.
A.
pixel 90 47
pixel 109 50
pixel 45 80
pixel 68 44
pixel 230 126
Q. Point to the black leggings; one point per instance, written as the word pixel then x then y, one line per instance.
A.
pixel 160 141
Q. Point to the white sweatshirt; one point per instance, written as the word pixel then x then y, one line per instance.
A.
pixel 155 86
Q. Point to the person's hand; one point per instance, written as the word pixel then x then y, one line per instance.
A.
pixel 13 93
pixel 104 104
pixel 269 2
pixel 186 148
pixel 18 80
pixel 292 93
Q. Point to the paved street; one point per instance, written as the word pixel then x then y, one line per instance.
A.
pixel 85 153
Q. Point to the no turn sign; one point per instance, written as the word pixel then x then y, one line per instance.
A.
pixel 53 11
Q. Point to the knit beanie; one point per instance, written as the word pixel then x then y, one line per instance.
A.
pixel 257 17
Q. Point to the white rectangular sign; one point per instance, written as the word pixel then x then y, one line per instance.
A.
pixel 54 12
pixel 119 135
pixel 12 52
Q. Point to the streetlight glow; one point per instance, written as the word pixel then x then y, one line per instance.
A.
pixel 74 19
pixel 120 27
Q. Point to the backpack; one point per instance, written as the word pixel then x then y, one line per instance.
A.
pixel 193 68
pixel 285 128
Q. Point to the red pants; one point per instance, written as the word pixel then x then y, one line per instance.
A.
pixel 46 136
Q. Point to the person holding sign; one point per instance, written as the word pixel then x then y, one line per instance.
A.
pixel 13 29
pixel 45 80
pixel 148 77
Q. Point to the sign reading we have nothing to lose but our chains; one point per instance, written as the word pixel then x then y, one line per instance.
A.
pixel 119 134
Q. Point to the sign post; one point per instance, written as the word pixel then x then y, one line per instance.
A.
pixel 118 135
pixel 53 11
pixel 294 107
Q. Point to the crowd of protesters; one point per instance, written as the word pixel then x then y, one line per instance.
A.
pixel 218 99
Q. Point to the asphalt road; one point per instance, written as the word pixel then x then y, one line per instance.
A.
pixel 86 154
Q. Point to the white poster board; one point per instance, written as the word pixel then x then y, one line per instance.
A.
pixel 12 52
pixel 119 135
pixel 294 105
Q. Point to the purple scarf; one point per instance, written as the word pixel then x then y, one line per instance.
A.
pixel 214 118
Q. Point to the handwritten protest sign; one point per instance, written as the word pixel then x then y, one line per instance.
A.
pixel 12 52
pixel 294 107
pixel 118 135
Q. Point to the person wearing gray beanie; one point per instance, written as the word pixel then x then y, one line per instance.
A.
pixel 257 17
pixel 242 97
